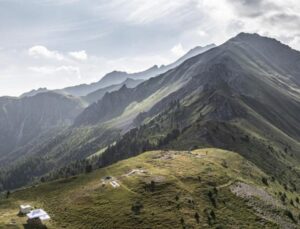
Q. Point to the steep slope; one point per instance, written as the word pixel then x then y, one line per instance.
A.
pixel 208 188
pixel 231 97
pixel 193 52
pixel 239 64
pixel 98 94
pixel 117 77
pixel 23 119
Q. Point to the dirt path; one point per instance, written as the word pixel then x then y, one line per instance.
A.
pixel 121 184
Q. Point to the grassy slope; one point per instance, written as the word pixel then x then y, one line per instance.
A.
pixel 83 202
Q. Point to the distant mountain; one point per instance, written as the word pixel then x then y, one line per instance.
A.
pixel 98 94
pixel 193 52
pixel 34 92
pixel 117 77
pixel 23 119
pixel 162 85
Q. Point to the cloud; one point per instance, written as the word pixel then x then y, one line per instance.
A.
pixel 249 8
pixel 178 50
pixel 95 37
pixel 149 11
pixel 79 55
pixel 48 70
pixel 40 51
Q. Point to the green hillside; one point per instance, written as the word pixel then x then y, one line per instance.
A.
pixel 207 188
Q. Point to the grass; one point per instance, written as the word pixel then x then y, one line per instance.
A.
pixel 174 188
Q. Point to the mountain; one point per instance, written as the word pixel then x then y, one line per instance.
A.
pixel 117 77
pixel 98 94
pixel 34 92
pixel 23 119
pixel 242 67
pixel 241 96
pixel 193 52
pixel 207 188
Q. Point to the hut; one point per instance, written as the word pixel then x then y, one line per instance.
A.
pixel 25 209
pixel 37 217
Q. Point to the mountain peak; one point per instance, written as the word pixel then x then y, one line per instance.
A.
pixel 243 35
pixel 254 38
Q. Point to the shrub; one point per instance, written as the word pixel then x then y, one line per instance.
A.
pixel 152 186
pixel 273 179
pixel 182 221
pixel 212 198
pixel 224 164
pixel 137 207
pixel 197 217
pixel 265 181
pixel 289 214
pixel 245 138
pixel 211 216
pixel 88 168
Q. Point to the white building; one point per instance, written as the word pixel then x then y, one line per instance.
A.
pixel 24 209
pixel 37 216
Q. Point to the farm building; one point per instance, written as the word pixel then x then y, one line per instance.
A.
pixel 25 209
pixel 37 216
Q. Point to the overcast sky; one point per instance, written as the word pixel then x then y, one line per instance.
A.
pixel 57 43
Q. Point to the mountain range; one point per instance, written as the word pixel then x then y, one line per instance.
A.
pixel 242 96
pixel 117 77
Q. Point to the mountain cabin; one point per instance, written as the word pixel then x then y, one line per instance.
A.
pixel 37 217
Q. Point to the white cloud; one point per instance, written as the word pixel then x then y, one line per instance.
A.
pixel 79 55
pixel 178 50
pixel 295 42
pixel 48 70
pixel 202 33
pixel 41 51
pixel 149 11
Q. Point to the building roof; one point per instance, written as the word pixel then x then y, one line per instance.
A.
pixel 38 213
pixel 25 206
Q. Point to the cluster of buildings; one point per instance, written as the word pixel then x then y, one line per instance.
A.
pixel 35 216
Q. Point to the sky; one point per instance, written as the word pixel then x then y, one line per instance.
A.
pixel 59 43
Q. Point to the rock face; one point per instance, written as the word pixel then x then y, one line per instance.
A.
pixel 98 94
pixel 111 105
pixel 23 119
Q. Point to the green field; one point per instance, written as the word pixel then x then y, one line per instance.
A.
pixel 207 188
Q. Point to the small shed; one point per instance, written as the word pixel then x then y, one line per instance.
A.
pixel 25 209
pixel 37 216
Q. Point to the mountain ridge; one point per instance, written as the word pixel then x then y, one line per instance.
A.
pixel 231 97
pixel 117 77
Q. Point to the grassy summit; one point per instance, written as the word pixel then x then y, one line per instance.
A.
pixel 207 188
